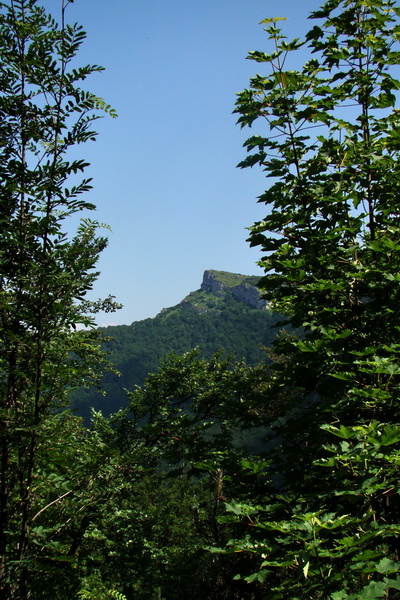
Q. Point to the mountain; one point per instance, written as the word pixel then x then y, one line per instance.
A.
pixel 225 314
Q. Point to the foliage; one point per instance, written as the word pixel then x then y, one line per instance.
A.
pixel 309 508
pixel 180 455
pixel 45 273
pixel 202 320
pixel 330 244
pixel 222 480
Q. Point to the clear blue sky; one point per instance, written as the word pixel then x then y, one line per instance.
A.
pixel 165 176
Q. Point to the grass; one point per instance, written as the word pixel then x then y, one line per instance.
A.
pixel 230 280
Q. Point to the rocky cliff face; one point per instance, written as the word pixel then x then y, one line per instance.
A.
pixel 211 284
pixel 241 287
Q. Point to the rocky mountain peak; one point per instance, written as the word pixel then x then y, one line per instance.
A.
pixel 242 287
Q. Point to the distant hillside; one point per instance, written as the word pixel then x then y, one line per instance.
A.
pixel 226 314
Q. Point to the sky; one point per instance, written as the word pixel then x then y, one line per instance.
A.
pixel 164 172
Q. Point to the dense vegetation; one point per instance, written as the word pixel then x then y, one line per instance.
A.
pixel 202 320
pixel 223 480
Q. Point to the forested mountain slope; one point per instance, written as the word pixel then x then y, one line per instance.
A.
pixel 225 314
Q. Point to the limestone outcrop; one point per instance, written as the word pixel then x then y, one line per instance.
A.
pixel 241 287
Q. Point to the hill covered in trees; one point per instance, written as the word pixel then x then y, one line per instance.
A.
pixel 226 314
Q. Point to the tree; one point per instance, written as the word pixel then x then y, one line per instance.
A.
pixel 331 253
pixel 183 451
pixel 45 272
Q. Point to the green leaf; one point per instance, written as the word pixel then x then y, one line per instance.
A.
pixel 387 566
pixel 273 20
